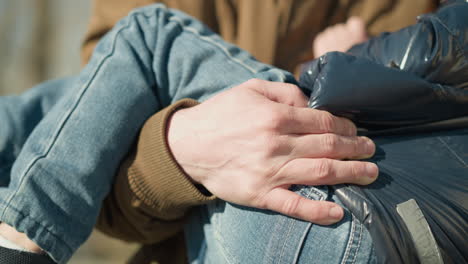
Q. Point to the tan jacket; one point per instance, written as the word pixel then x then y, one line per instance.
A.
pixel 151 194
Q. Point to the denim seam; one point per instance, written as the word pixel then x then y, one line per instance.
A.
pixel 309 226
pixel 359 243
pixel 211 41
pixel 224 251
pixel 223 49
pixel 227 255
pixel 350 241
pixel 30 218
pixel 63 121
pixel 320 194
pixel 305 195
pixel 147 13
pixel 303 238
pixel 291 225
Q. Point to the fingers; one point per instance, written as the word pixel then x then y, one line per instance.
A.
pixel 312 121
pixel 283 93
pixel 331 146
pixel 293 116
pixel 357 26
pixel 289 203
pixel 326 172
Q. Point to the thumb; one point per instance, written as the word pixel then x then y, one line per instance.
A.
pixel 289 203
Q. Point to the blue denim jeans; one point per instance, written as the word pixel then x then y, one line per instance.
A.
pixel 221 232
pixel 61 142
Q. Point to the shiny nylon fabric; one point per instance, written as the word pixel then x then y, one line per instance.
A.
pixel 396 82
pixel 413 76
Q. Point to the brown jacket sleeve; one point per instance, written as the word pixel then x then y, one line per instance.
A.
pixel 151 193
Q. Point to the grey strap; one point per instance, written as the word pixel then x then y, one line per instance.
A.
pixel 424 241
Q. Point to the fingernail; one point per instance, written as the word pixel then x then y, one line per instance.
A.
pixel 336 212
pixel 368 148
pixel 372 170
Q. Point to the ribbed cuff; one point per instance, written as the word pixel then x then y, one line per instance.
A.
pixel 155 177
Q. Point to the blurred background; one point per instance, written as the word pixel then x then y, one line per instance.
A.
pixel 40 40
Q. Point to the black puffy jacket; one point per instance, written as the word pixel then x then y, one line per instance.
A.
pixel 409 91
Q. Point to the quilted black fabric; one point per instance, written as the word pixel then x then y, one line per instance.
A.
pixel 11 256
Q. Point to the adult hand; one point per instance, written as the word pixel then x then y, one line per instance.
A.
pixel 249 144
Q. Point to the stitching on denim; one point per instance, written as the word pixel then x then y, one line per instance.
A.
pixel 358 244
pixel 307 195
pixel 30 218
pixel 453 152
pixel 303 237
pixel 226 52
pixel 350 241
pixel 312 189
pixel 291 225
pixel 27 172
pixel 210 40
pixel 224 251
pixel 223 49
pixel 309 225
pixel 219 237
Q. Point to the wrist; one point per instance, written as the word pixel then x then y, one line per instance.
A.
pixel 180 139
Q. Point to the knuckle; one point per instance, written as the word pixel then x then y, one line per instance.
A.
pixel 271 144
pixel 254 82
pixel 322 169
pixel 330 144
pixel 356 171
pixel 295 91
pixel 273 119
pixel 288 115
pixel 251 84
pixel 291 205
pixel 349 127
pixel 358 146
pixel 327 122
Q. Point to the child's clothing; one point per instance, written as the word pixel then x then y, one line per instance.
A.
pixel 64 141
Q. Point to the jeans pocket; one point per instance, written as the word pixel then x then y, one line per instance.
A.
pixel 240 234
